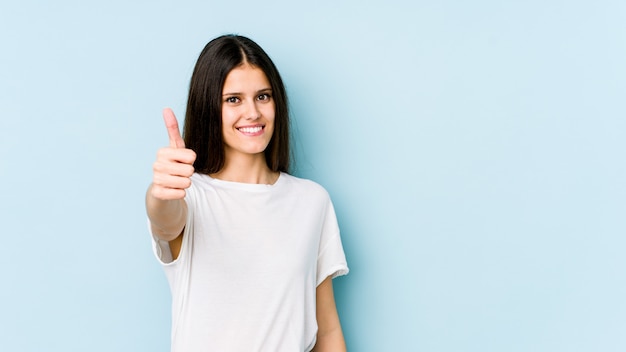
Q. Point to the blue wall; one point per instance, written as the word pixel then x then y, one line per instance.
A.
pixel 474 152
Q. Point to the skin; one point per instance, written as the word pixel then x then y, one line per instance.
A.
pixel 329 334
pixel 247 103
pixel 172 170
pixel 248 112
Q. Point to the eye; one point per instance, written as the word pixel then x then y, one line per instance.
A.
pixel 264 96
pixel 232 100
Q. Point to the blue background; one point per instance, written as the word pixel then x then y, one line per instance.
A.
pixel 474 152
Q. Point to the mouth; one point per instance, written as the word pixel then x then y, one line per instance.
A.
pixel 251 130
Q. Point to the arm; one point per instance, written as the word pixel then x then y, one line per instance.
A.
pixel 165 202
pixel 167 217
pixel 329 333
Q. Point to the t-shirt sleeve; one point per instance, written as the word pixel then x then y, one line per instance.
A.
pixel 331 260
pixel 160 248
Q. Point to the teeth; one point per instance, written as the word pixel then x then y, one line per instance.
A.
pixel 251 129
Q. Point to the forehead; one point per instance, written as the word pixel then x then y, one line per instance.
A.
pixel 245 78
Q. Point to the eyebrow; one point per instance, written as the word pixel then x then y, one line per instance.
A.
pixel 264 90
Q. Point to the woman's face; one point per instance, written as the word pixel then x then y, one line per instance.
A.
pixel 247 112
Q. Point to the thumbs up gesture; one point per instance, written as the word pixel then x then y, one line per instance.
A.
pixel 173 167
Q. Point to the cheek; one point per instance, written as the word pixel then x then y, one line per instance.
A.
pixel 227 117
pixel 269 112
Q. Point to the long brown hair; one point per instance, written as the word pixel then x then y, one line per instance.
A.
pixel 203 119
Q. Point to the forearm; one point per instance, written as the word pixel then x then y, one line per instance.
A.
pixel 330 341
pixel 329 333
pixel 167 217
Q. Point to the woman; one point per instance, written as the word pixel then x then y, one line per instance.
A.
pixel 249 250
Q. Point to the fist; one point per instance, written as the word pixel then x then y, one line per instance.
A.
pixel 173 167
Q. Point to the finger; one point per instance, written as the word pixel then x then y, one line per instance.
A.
pixel 167 193
pixel 169 154
pixel 174 169
pixel 172 182
pixel 176 141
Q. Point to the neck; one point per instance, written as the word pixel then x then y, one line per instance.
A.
pixel 247 169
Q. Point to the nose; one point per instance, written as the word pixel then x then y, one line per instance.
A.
pixel 252 111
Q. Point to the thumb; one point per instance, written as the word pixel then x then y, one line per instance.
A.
pixel 176 141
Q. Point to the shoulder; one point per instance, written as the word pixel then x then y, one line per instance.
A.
pixel 203 182
pixel 303 185
pixel 200 184
pixel 200 180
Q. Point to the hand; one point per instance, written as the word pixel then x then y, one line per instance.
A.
pixel 174 164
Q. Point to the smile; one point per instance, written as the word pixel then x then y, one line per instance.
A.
pixel 250 130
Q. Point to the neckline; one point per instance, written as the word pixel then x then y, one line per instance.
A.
pixel 246 186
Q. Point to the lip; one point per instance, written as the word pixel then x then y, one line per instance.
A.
pixel 251 130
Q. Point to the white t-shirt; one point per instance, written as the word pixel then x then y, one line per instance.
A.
pixel 251 259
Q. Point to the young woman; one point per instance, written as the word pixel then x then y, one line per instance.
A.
pixel 249 250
